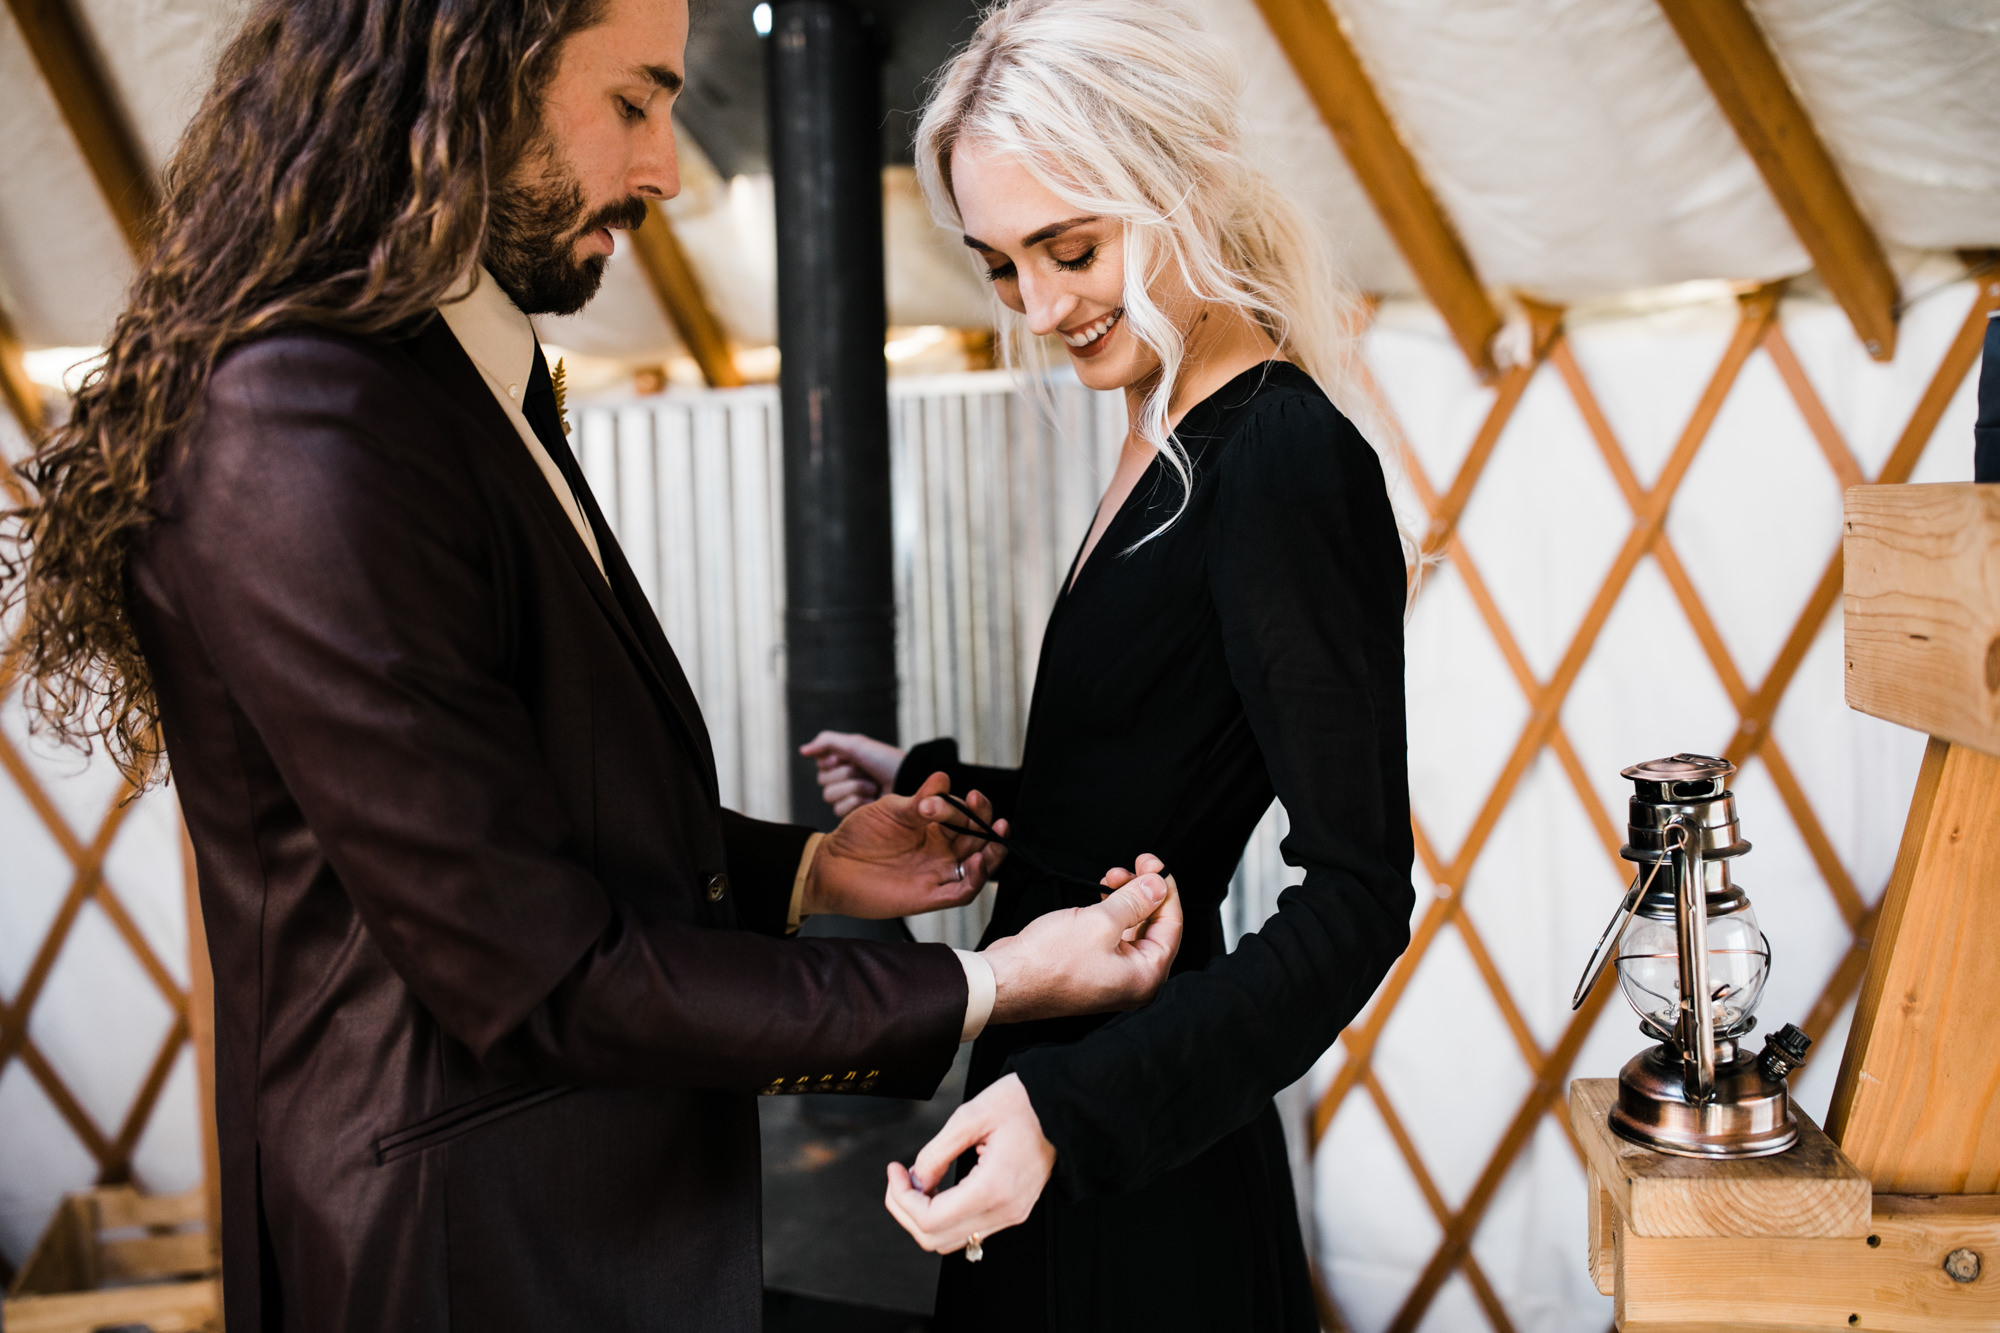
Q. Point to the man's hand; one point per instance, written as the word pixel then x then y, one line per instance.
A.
pixel 853 769
pixel 1091 960
pixel 899 856
pixel 1014 1165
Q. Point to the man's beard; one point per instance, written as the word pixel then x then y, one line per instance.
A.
pixel 532 227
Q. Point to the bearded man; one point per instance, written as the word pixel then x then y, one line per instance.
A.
pixel 496 975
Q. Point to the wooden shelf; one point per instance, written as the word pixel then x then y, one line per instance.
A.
pixel 1772 1244
pixel 1811 1190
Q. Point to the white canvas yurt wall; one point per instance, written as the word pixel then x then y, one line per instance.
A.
pixel 1636 524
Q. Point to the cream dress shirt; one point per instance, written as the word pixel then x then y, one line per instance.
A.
pixel 501 344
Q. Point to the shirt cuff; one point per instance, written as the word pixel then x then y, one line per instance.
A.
pixel 980 989
pixel 796 913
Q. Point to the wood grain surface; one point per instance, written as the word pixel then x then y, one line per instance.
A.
pixel 1891 1279
pixel 1810 1190
pixel 1915 1106
pixel 1922 605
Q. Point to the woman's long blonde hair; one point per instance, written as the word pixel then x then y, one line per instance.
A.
pixel 1129 109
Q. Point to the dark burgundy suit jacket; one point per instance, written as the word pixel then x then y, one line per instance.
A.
pixel 497 978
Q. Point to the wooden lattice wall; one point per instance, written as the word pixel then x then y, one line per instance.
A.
pixel 1542 736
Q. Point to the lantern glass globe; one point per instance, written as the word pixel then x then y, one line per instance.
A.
pixel 1739 962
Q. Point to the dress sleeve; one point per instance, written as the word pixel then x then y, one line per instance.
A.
pixel 1002 786
pixel 332 555
pixel 1306 573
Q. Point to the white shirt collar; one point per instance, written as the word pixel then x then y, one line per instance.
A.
pixel 501 344
pixel 494 333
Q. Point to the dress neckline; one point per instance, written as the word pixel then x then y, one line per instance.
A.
pixel 1263 370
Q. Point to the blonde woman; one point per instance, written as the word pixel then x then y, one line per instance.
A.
pixel 1231 630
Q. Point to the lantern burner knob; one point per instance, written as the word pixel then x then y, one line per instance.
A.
pixel 1784 1051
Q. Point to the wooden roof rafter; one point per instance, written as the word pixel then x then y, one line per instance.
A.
pixel 90 106
pixel 1326 64
pixel 1743 73
pixel 24 398
pixel 681 296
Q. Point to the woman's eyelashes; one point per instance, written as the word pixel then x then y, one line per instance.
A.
pixel 1074 264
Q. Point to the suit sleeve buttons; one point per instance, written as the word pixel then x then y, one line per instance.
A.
pixel 717 886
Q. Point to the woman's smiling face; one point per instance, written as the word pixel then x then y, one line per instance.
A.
pixel 1064 273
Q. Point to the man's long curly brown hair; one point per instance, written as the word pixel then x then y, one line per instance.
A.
pixel 339 174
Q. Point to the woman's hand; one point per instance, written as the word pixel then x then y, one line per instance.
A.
pixel 902 856
pixel 1014 1165
pixel 853 769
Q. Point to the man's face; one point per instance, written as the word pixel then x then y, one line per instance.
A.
pixel 606 146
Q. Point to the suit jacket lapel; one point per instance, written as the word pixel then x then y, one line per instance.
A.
pixel 437 351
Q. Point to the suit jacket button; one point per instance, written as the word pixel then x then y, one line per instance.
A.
pixel 718 886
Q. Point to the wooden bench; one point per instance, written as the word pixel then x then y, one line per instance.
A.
pixel 113 1257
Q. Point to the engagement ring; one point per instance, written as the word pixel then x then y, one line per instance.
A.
pixel 973 1252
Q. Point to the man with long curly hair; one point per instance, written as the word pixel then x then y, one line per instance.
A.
pixel 496 975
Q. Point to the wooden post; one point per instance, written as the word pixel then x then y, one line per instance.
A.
pixel 1915 1106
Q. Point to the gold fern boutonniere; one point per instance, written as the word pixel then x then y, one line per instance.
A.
pixel 561 381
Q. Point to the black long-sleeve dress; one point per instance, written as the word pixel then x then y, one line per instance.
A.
pixel 1254 648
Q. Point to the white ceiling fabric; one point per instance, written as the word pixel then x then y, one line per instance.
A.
pixel 1572 142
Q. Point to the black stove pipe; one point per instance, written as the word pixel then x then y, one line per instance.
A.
pixel 824 62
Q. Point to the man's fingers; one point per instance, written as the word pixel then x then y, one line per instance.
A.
pixel 1131 904
pixel 1160 940
pixel 1149 864
pixel 1117 878
pixel 828 742
pixel 925 798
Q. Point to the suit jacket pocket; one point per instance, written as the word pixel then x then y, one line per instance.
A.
pixel 466 1116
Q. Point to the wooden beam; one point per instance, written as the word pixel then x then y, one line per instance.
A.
pixel 1922 608
pixel 91 108
pixel 674 282
pixel 1750 86
pixel 1892 1280
pixel 24 398
pixel 1332 74
pixel 1914 1105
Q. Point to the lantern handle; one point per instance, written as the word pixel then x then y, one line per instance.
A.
pixel 1601 956
pixel 1696 1030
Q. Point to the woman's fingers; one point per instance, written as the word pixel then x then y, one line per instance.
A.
pixel 901 1199
pixel 965 1127
pixel 836 743
pixel 836 792
pixel 943 1222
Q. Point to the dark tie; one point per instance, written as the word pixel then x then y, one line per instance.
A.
pixel 538 405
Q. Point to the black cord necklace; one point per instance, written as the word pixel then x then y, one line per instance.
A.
pixel 987 833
